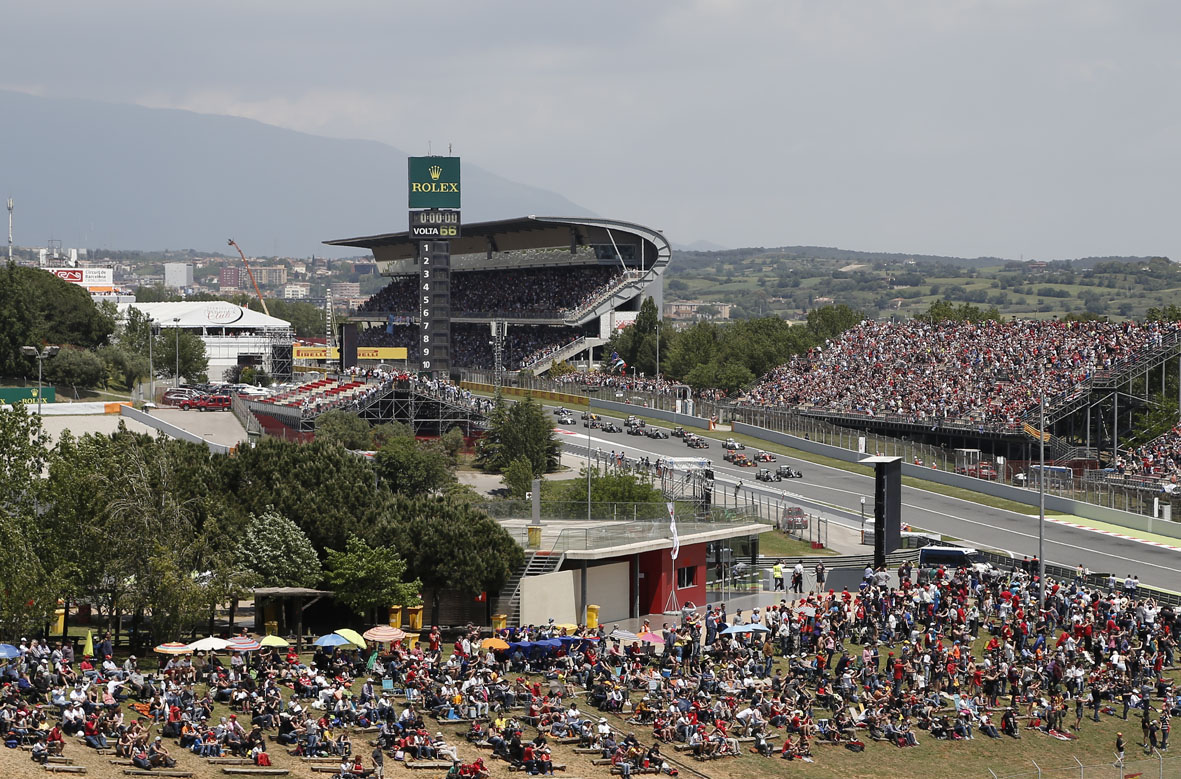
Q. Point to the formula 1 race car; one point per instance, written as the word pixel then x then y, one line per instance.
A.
pixel 787 472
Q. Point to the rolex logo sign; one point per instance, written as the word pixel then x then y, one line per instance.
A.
pixel 434 182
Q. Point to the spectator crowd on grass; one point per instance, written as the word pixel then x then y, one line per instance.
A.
pixel 983 373
pixel 940 654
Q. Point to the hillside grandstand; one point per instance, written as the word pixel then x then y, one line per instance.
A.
pixel 954 382
pixel 561 286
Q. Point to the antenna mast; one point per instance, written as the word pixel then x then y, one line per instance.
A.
pixel 10 205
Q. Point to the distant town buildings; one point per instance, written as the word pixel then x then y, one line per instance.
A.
pixel 696 309
pixel 178 275
pixel 296 290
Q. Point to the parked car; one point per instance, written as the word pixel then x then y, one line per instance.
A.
pixel 214 403
pixel 253 392
pixel 179 395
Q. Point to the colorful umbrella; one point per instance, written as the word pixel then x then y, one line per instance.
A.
pixel 8 652
pixel 273 641
pixel 494 643
pixel 243 644
pixel 353 636
pixel 384 634
pixel 210 644
pixel 650 638
pixel 619 634
pixel 332 639
pixel 752 627
pixel 173 648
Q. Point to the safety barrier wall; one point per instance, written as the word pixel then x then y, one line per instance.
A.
pixel 171 430
pixel 1015 494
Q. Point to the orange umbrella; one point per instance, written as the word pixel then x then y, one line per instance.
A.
pixel 494 643
pixel 384 634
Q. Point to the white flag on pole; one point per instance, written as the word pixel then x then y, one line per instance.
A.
pixel 672 526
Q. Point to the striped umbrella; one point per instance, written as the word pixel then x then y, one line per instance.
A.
pixel 173 648
pixel 243 644
pixel 384 634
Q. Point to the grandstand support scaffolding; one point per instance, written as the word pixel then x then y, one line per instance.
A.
pixel 279 350
pixel 427 414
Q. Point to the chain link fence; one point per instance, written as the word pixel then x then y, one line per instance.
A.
pixel 1158 766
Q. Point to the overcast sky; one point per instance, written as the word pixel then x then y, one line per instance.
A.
pixel 1044 129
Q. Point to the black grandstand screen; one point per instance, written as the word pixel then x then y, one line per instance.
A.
pixel 434 307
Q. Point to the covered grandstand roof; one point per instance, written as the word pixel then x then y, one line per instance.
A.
pixel 529 232
pixel 209 313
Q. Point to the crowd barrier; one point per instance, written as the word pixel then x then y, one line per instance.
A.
pixel 1016 494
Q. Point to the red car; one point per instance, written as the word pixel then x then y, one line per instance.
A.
pixel 208 403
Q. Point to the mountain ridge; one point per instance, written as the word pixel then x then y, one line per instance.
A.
pixel 108 174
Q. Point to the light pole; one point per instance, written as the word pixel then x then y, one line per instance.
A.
pixel 588 455
pixel 151 363
pixel 176 329
pixel 41 355
pixel 863 519
pixel 1041 496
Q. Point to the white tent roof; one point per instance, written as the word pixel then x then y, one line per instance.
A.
pixel 210 313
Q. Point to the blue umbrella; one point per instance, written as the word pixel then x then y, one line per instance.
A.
pixel 8 652
pixel 332 639
pixel 753 627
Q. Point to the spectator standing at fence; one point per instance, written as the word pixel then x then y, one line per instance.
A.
pixel 819 570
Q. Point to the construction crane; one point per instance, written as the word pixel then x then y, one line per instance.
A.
pixel 251 274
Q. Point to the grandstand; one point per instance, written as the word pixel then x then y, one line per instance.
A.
pixel 430 407
pixel 561 285
pixel 979 383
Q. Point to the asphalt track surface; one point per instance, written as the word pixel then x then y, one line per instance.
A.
pixel 837 494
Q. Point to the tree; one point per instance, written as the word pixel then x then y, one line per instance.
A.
pixel 193 362
pixel 387 430
pixel 519 430
pixel 412 468
pixel 26 596
pixel 366 578
pixel 830 321
pixel 341 427
pixel 452 443
pixel 123 364
pixel 449 546
pixel 518 477
pixel 324 489
pixel 278 552
pixel 77 368
pixel 305 318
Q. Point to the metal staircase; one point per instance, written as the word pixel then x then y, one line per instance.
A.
pixel 543 364
pixel 536 564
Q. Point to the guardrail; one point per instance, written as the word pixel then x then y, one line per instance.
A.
pixel 171 430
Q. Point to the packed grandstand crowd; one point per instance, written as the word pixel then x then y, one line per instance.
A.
pixel 976 372
pixel 472 347
pixel 1158 459
pixel 912 655
pixel 551 292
